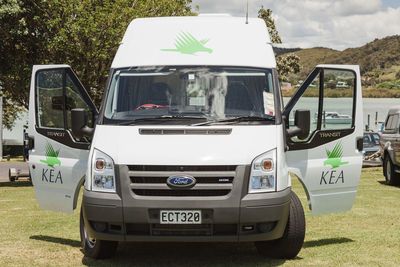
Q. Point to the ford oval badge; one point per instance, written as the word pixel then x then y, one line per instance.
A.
pixel 181 181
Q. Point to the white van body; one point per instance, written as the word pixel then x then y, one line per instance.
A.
pixel 119 204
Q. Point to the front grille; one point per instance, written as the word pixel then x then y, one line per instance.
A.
pixel 199 180
pixel 181 229
pixel 151 180
pixel 156 229
pixel 180 192
pixel 184 168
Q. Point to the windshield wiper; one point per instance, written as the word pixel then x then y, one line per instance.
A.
pixel 236 119
pixel 164 118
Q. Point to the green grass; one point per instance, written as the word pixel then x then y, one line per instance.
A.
pixel 368 235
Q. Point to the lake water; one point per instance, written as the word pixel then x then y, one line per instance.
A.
pixel 343 106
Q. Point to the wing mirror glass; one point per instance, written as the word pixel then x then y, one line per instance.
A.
pixel 79 123
pixel 301 127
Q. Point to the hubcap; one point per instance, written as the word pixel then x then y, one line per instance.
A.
pixel 91 242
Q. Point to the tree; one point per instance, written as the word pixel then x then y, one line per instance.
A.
pixel 82 33
pixel 285 64
pixel 266 15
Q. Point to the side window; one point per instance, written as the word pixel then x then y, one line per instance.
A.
pixel 389 123
pixel 49 94
pixel 330 98
pixel 58 91
pixel 392 122
pixel 337 111
pixel 310 101
pixel 395 122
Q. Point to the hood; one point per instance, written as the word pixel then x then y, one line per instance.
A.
pixel 166 145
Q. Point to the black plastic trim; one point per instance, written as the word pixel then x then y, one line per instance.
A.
pixel 62 136
pixel 277 98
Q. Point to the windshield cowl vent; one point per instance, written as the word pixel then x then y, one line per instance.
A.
pixel 185 131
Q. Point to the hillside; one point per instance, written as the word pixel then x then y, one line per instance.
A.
pixel 379 61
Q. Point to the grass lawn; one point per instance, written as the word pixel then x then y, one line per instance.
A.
pixel 368 235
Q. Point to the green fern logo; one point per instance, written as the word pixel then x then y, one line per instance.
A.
pixel 335 156
pixel 185 43
pixel 51 156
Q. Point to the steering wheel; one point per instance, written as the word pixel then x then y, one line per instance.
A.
pixel 150 106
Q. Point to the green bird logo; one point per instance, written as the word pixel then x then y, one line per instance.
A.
pixel 51 156
pixel 335 156
pixel 185 43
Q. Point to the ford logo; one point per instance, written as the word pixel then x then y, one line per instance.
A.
pixel 181 181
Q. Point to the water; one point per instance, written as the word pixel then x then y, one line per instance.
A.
pixel 343 106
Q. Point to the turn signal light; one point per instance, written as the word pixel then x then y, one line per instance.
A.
pixel 100 164
pixel 267 165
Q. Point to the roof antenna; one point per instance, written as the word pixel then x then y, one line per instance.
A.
pixel 247 12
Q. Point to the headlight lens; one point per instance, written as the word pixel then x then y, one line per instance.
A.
pixel 263 173
pixel 103 175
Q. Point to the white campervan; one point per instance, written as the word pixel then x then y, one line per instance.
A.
pixel 192 142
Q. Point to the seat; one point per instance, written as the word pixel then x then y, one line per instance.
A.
pixel 159 94
pixel 237 97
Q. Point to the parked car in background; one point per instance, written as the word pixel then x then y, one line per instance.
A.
pixel 371 146
pixel 390 147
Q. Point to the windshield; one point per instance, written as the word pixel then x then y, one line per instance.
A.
pixel 185 95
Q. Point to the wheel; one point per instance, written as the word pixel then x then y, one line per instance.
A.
pixel 289 245
pixel 96 249
pixel 391 177
pixel 11 176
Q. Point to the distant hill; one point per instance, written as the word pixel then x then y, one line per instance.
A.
pixel 281 50
pixel 379 60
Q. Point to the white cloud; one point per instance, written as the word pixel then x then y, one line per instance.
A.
pixel 336 24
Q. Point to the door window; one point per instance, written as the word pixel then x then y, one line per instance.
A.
pixel 329 94
pixel 389 123
pixel 49 86
pixel 395 122
pixel 337 111
pixel 310 101
pixel 74 99
pixel 58 91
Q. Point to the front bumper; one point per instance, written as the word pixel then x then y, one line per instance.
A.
pixel 234 217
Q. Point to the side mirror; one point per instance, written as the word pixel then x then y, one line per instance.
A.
pixel 79 123
pixel 301 127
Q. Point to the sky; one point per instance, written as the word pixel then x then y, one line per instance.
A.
pixel 337 24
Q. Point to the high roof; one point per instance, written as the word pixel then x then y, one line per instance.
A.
pixel 196 40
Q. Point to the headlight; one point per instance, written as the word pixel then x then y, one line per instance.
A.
pixel 103 175
pixel 263 173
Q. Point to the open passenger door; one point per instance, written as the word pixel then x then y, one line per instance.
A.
pixel 328 161
pixel 57 159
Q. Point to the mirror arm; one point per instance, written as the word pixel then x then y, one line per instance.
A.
pixel 293 131
pixel 87 131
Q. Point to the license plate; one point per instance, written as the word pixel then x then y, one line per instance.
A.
pixel 180 216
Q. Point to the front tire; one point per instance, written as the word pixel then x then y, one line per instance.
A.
pixel 96 249
pixel 289 245
pixel 391 177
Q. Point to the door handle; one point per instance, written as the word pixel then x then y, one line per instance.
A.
pixel 31 142
pixel 360 144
